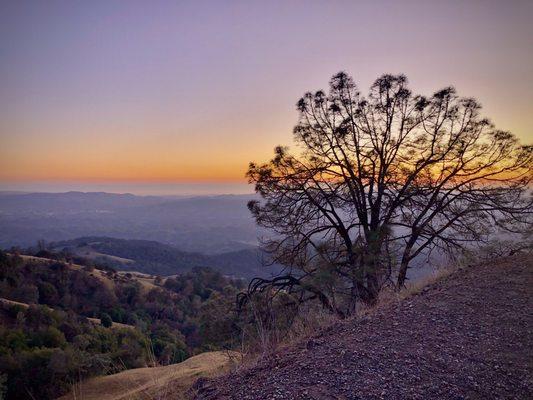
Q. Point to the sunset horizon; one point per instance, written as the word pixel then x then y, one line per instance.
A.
pixel 104 94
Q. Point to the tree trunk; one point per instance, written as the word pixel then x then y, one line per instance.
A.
pixel 372 283
pixel 402 273
pixel 371 265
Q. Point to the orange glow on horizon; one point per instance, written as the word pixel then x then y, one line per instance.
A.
pixel 124 172
pixel 193 92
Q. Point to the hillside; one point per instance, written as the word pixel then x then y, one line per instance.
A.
pixel 144 256
pixel 61 322
pixel 153 383
pixel 468 336
pixel 5 303
pixel 151 257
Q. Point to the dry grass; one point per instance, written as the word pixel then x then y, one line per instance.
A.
pixel 88 252
pixel 411 289
pixel 157 383
pixel 147 281
pixel 267 342
pixel 116 325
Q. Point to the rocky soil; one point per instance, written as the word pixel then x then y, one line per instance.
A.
pixel 468 336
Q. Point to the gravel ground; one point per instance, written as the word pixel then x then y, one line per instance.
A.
pixel 468 336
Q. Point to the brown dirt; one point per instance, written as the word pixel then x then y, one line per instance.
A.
pixel 468 336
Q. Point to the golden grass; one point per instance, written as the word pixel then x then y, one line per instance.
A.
pixel 90 253
pixel 171 381
pixel 13 303
pixel 412 289
pixel 388 296
pixel 117 325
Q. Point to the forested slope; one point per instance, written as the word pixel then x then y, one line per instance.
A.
pixel 156 258
pixel 49 339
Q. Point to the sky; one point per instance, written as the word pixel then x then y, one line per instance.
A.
pixel 115 94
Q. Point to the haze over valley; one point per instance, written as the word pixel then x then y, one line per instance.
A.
pixel 209 224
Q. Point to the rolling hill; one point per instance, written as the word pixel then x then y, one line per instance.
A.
pixel 61 321
pixel 170 381
pixel 156 258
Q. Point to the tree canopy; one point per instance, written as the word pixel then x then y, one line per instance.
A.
pixel 379 180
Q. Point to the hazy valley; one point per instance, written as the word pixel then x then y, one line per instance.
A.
pixel 206 224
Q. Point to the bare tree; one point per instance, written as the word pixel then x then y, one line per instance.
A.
pixel 379 180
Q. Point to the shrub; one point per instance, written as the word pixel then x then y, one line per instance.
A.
pixel 106 320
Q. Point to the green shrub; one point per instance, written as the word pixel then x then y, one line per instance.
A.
pixel 106 320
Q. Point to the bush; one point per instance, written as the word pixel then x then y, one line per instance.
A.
pixel 106 320
pixel 49 337
pixel 13 310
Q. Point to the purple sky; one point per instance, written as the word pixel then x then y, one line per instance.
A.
pixel 192 91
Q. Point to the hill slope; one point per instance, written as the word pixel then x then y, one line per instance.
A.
pixel 467 336
pixel 145 256
pixel 156 258
pixel 62 322
pixel 152 383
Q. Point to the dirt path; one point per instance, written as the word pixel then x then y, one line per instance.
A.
pixel 469 336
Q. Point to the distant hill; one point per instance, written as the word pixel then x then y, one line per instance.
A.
pixel 156 258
